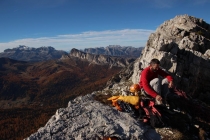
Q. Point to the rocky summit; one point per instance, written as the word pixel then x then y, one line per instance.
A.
pixel 25 53
pixel 182 45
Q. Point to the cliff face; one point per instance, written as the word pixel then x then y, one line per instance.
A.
pixel 182 44
pixel 99 59
pixel 116 50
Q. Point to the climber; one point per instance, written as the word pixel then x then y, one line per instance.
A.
pixel 134 89
pixel 151 85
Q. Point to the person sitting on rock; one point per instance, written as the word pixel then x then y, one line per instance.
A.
pixel 151 84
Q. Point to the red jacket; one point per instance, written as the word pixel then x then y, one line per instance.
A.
pixel 147 75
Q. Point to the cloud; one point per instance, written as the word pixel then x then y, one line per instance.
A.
pixel 125 37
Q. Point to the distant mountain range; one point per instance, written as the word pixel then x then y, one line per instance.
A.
pixel 117 61
pixel 116 50
pixel 34 88
pixel 24 53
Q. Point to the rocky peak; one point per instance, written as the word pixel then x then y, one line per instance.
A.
pixel 182 44
pixel 25 53
pixel 99 59
pixel 22 47
pixel 116 50
pixel 46 48
pixel 186 31
pixel 183 51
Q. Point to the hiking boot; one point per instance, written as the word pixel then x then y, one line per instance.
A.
pixel 169 111
pixel 177 110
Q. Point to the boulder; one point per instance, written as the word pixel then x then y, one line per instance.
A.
pixel 86 118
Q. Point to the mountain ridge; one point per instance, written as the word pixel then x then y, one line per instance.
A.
pixel 115 50
pixel 98 59
pixel 24 53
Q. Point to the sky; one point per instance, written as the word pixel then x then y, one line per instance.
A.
pixel 67 24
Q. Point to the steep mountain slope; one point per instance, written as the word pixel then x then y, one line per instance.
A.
pixel 31 92
pixel 24 53
pixel 38 81
pixel 116 50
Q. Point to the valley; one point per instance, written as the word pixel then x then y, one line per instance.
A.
pixel 31 92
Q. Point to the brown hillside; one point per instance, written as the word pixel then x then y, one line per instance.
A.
pixel 31 92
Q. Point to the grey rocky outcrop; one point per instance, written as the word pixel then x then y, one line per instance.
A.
pixel 87 119
pixel 99 59
pixel 116 50
pixel 24 53
pixel 182 44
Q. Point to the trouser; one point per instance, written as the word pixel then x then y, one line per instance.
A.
pixel 160 86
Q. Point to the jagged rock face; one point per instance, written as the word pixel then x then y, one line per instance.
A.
pixel 24 53
pixel 85 118
pixel 99 59
pixel 182 44
pixel 116 50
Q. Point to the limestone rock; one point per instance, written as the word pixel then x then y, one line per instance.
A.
pixel 182 45
pixel 85 118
